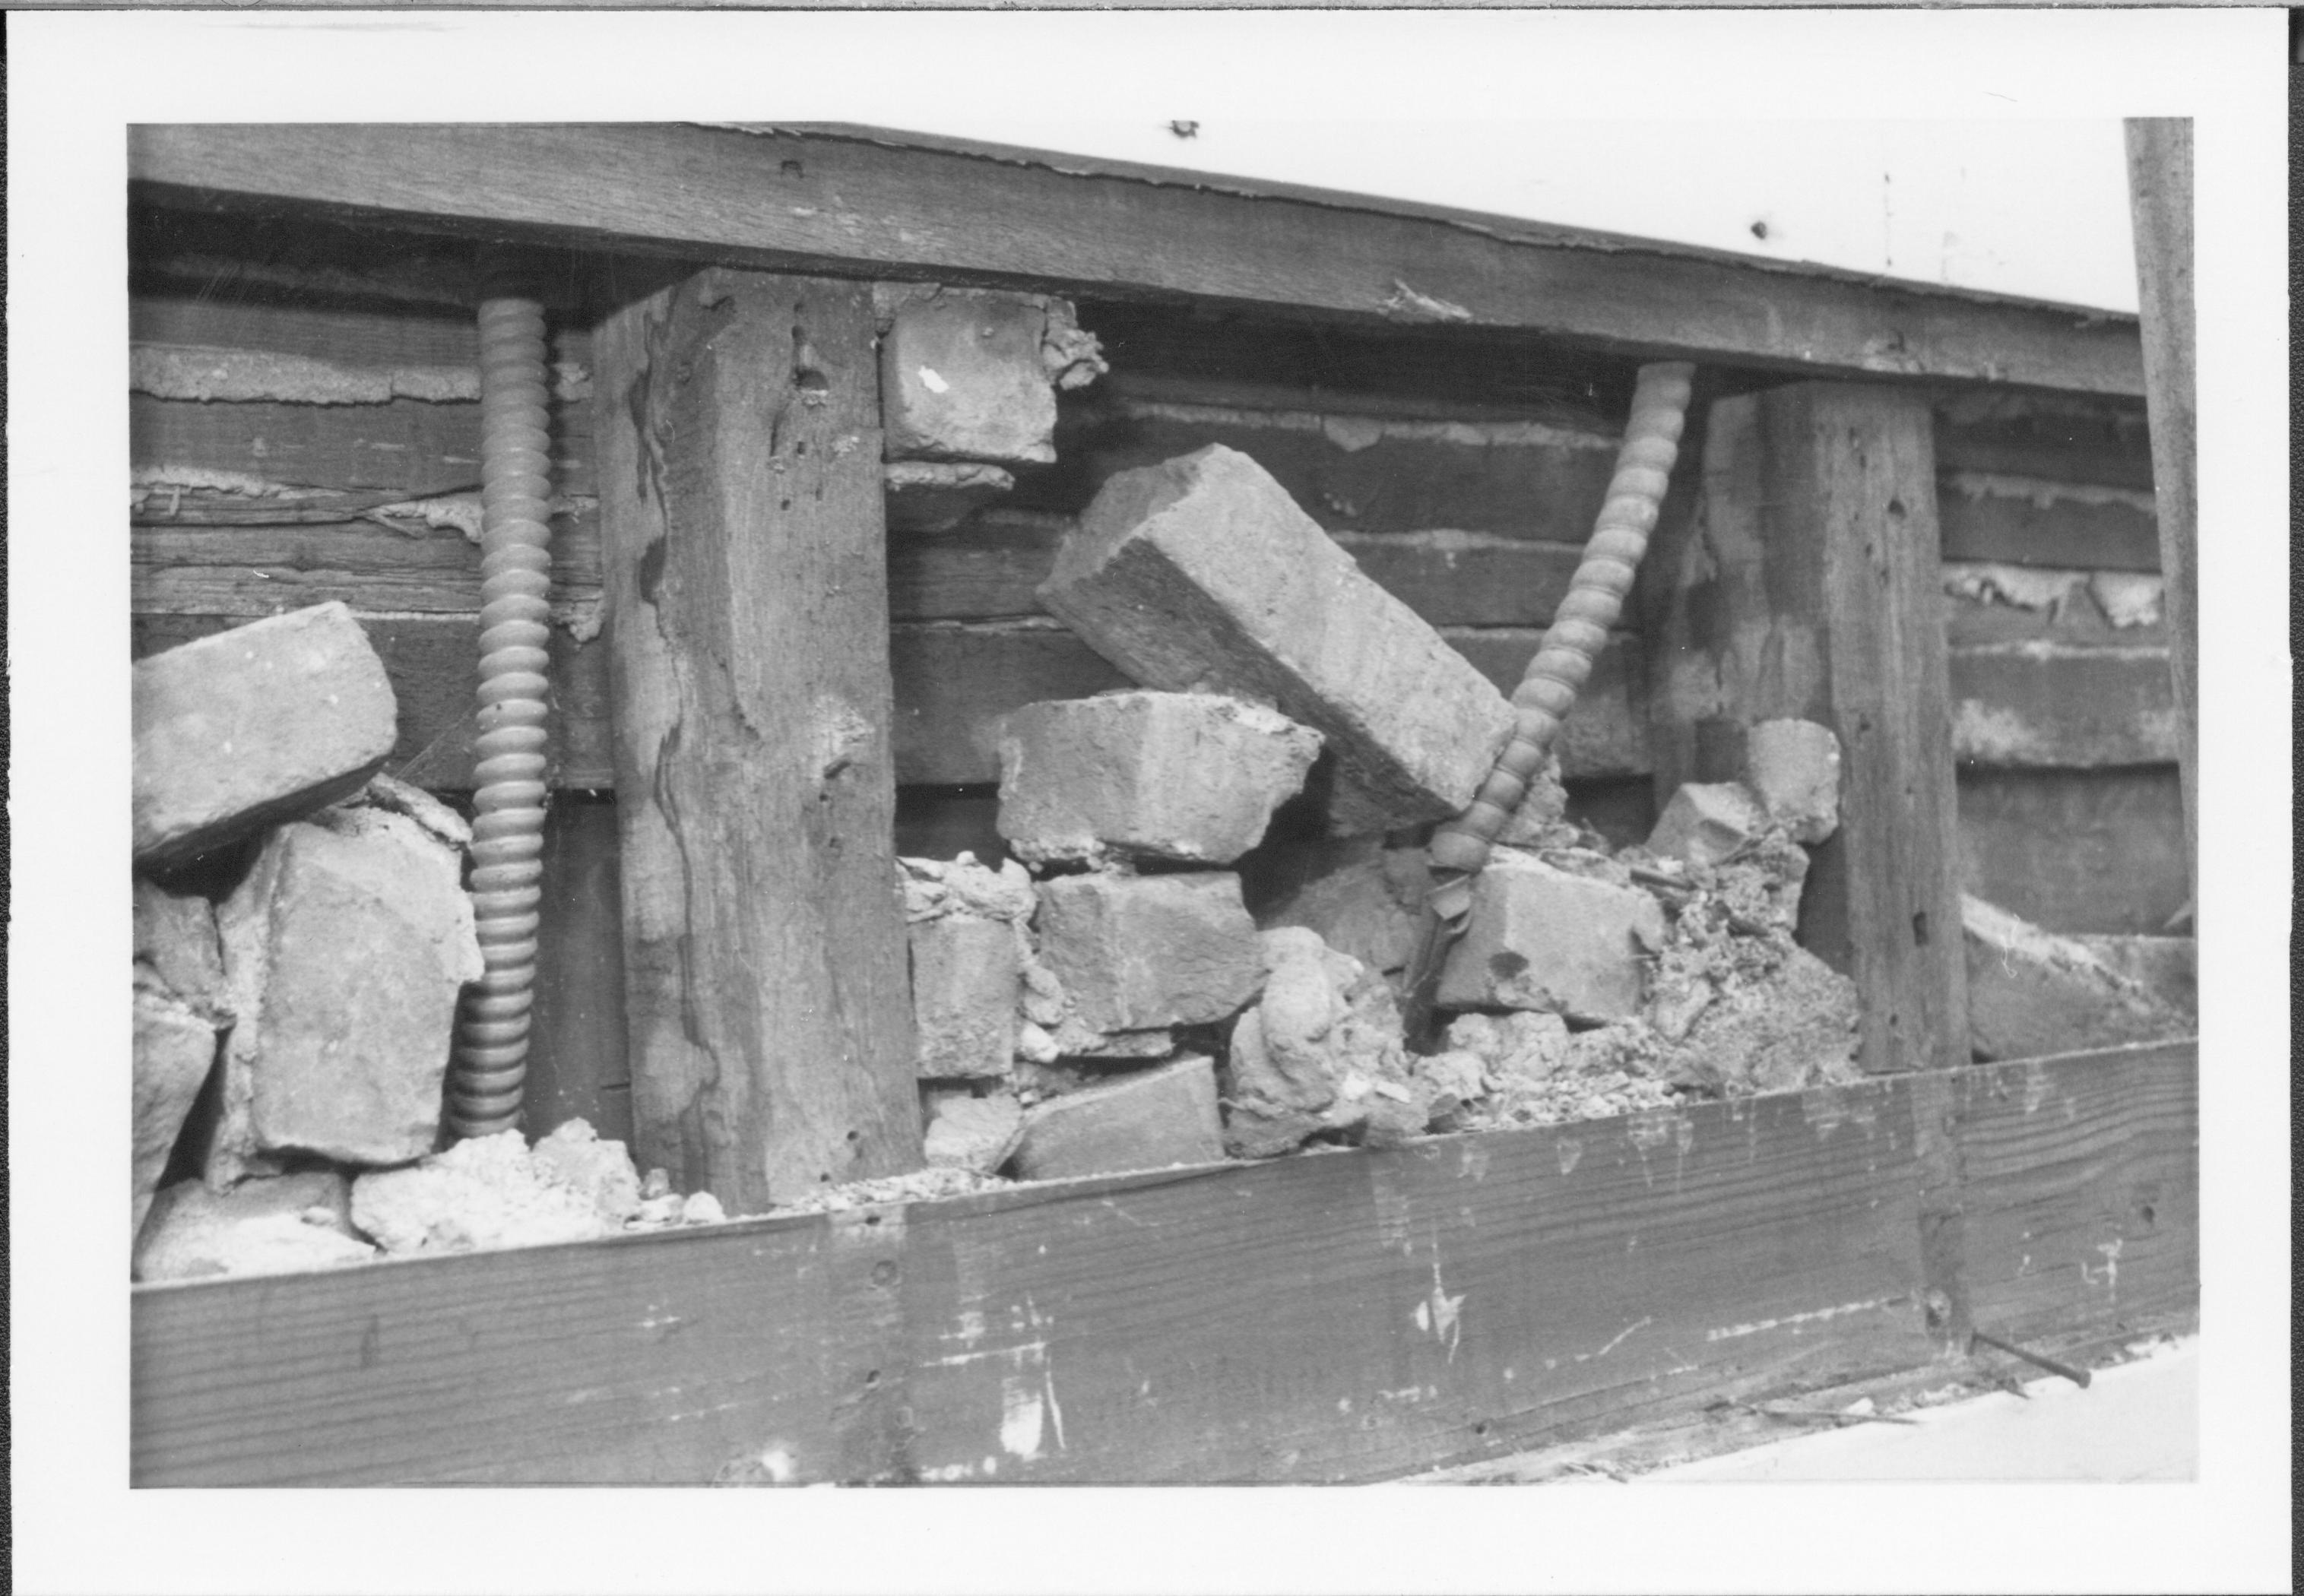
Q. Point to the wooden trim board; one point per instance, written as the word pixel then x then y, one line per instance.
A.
pixel 1324 1317
pixel 847 201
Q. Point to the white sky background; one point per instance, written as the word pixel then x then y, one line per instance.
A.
pixel 75 81
pixel 2032 207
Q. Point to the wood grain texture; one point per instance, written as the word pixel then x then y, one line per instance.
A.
pixel 764 949
pixel 2160 200
pixel 2080 1177
pixel 827 200
pixel 1341 1317
pixel 578 1061
pixel 1810 586
pixel 2048 705
pixel 2077 851
pixel 2035 521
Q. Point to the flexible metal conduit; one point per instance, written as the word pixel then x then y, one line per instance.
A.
pixel 1580 628
pixel 490 1062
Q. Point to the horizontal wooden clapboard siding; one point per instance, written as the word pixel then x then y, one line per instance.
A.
pixel 1336 1317
pixel 2077 850
pixel 953 682
pixel 841 200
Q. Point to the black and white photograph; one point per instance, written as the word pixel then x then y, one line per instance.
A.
pixel 1246 750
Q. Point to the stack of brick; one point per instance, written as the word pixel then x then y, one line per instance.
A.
pixel 302 934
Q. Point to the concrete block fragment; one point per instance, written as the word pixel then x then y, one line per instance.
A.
pixel 249 727
pixel 575 1156
pixel 1316 1054
pixel 1544 939
pixel 2031 993
pixel 1201 574
pixel 486 1192
pixel 1705 821
pixel 973 1133
pixel 965 982
pixel 175 1048
pixel 1137 952
pixel 276 1226
pixel 1793 768
pixel 1144 1121
pixel 344 949
pixel 969 374
pixel 1187 776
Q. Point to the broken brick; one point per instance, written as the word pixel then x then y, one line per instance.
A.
pixel 971 374
pixel 1187 776
pixel 249 727
pixel 1201 574
pixel 1793 768
pixel 1544 939
pixel 345 950
pixel 965 979
pixel 973 1132
pixel 1137 952
pixel 1144 1121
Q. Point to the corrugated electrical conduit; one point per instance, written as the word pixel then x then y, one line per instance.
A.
pixel 489 1065
pixel 1580 628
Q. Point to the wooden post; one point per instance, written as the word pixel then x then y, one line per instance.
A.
pixel 1808 586
pixel 2160 200
pixel 766 983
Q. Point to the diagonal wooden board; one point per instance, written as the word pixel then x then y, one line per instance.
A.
pixel 1336 1317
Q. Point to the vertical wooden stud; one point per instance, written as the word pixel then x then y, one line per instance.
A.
pixel 2160 200
pixel 766 984
pixel 1808 586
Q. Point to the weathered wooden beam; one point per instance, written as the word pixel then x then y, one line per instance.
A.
pixel 1809 586
pixel 849 200
pixel 766 995
pixel 2160 196
pixel 1350 1317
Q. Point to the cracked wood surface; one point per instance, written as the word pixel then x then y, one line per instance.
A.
pixel 763 950
pixel 1321 1318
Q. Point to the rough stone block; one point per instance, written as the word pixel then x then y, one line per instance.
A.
pixel 275 1226
pixel 344 949
pixel 1543 939
pixel 1137 952
pixel 175 1048
pixel 1201 574
pixel 973 1132
pixel 1146 1121
pixel 1316 1050
pixel 1187 776
pixel 1793 768
pixel 2031 993
pixel 249 727
pixel 971 374
pixel 965 981
pixel 1707 821
pixel 177 944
